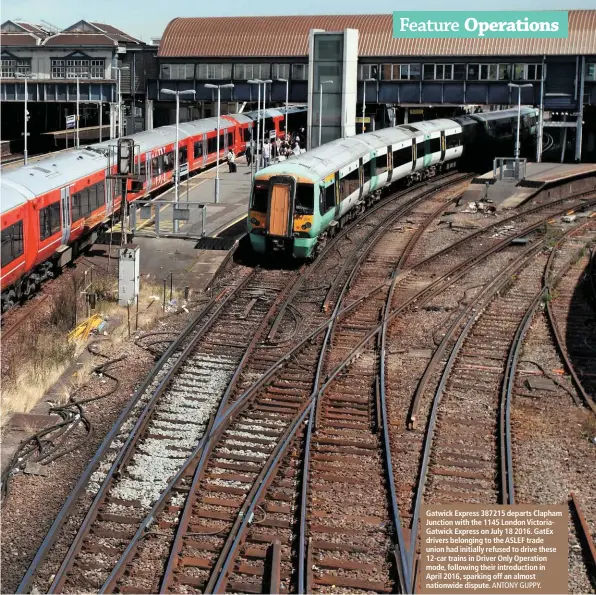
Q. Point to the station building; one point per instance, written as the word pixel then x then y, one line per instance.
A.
pixel 405 79
pixel 112 68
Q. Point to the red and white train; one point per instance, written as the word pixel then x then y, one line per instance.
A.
pixel 55 207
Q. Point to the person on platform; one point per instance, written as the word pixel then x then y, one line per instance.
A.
pixel 266 154
pixel 231 161
pixel 248 153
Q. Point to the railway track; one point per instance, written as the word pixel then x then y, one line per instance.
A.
pixel 240 478
pixel 123 503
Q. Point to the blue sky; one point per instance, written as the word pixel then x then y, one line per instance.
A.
pixel 149 18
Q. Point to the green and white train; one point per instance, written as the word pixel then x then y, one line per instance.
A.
pixel 296 205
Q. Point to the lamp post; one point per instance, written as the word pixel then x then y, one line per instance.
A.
pixel 78 115
pixel 517 147
pixel 176 151
pixel 264 101
pixel 218 87
pixel 364 100
pixel 25 133
pixel 257 82
pixel 287 82
pixel 321 107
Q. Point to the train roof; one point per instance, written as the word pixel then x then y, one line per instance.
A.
pixel 49 173
pixel 499 114
pixel 321 161
pixel 164 135
pixel 13 195
pixel 428 126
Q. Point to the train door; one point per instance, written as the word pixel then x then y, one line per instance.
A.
pixel 148 172
pixel 280 206
pixel 337 196
pixel 427 152
pixel 414 154
pixel 389 164
pixel 65 213
pixel 361 177
pixel 443 146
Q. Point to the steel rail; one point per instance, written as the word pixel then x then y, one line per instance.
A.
pixel 552 284
pixel 50 537
pixel 505 441
pixel 369 212
pixel 236 535
pixel 585 535
pixel 158 505
pixel 5 334
pixel 459 271
pixel 486 294
pixel 52 534
pixel 127 449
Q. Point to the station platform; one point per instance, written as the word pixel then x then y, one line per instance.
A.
pixel 184 257
pixel 510 194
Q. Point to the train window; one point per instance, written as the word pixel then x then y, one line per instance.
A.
pixel 221 141
pixel 198 149
pixel 49 221
pixel 260 196
pixel 101 194
pixel 211 145
pixel 402 156
pixel 11 248
pixel 473 72
pixel 435 145
pixel 182 155
pixel 247 135
pixel 329 199
pixel 230 139
pixel 168 161
pixel 381 164
pixel 453 140
pixel 143 168
pixel 304 202
pixel 76 206
pixel 349 184
pixel 12 242
pixel 155 166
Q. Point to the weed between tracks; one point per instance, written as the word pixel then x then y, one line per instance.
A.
pixel 40 353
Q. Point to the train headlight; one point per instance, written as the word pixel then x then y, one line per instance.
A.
pixel 306 226
pixel 255 221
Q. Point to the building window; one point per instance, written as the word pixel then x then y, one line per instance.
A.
pixel 368 71
pixel 299 72
pixel 97 69
pixel 58 69
pixel 12 242
pixel 246 72
pixel 489 72
pixel 177 71
pixel 214 71
pixel 280 71
pixel 77 68
pixel 528 72
pixel 400 72
pixel 8 68
pixel 591 71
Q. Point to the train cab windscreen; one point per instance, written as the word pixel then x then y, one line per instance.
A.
pixel 305 199
pixel 260 196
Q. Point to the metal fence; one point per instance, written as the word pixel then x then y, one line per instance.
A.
pixel 164 218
